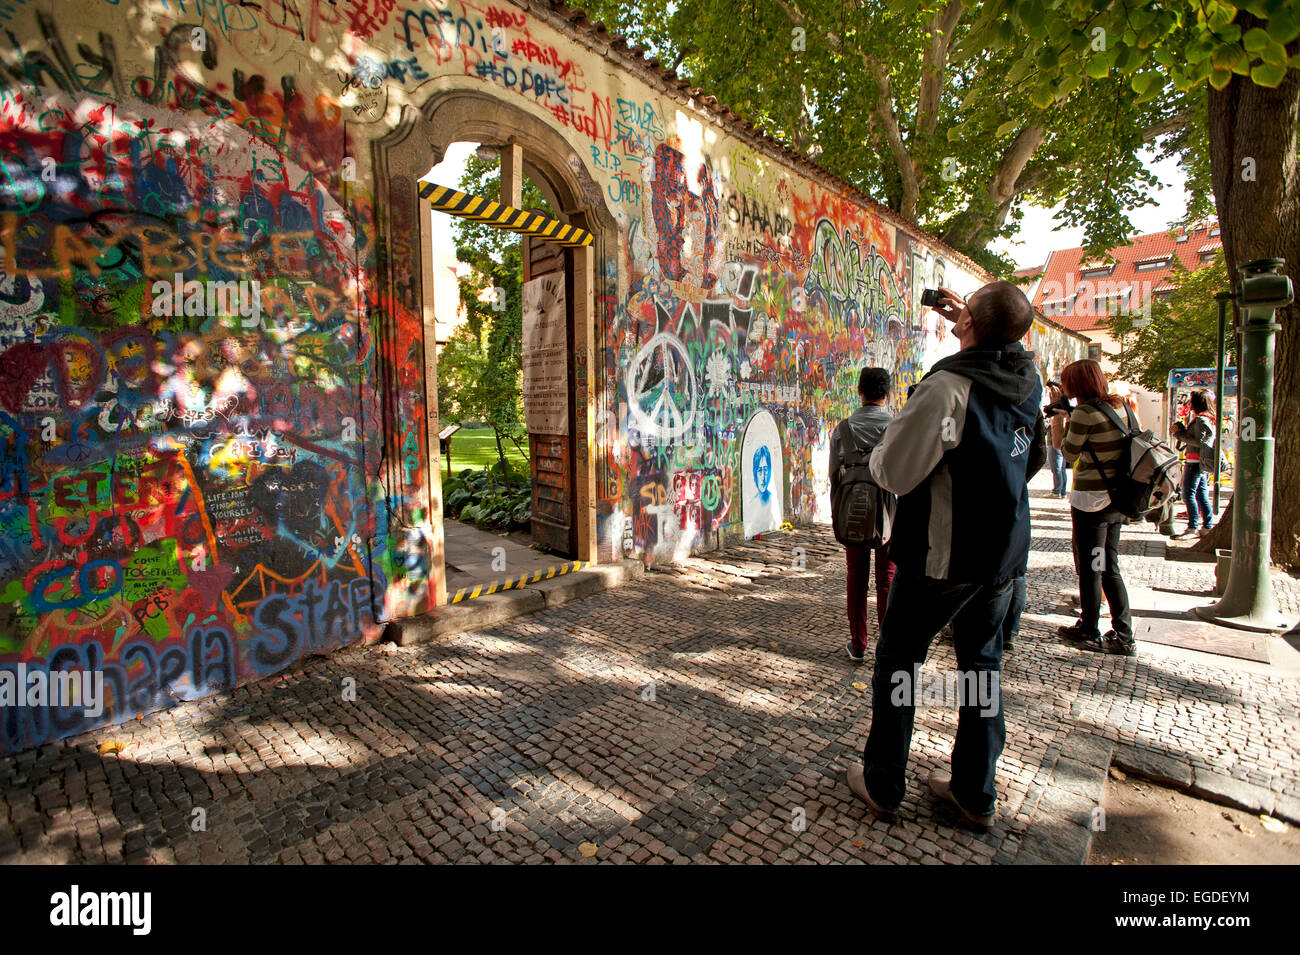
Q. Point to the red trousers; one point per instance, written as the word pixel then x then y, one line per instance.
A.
pixel 859 565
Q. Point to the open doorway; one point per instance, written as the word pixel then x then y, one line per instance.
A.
pixel 506 377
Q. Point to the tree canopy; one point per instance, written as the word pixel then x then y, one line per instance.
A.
pixel 955 134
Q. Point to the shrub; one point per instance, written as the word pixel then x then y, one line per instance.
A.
pixel 482 498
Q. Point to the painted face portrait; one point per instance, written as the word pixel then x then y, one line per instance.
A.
pixel 763 471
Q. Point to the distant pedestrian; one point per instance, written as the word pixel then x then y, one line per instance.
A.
pixel 957 457
pixel 1198 435
pixel 1094 444
pixel 866 425
pixel 1055 459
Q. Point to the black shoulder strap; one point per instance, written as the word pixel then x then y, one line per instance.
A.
pixel 848 442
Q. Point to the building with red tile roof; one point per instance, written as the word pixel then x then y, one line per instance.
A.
pixel 1028 279
pixel 1083 292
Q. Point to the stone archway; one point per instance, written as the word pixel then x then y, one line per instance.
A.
pixel 405 296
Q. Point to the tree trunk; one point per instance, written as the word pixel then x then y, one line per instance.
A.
pixel 1220 536
pixel 501 453
pixel 1257 196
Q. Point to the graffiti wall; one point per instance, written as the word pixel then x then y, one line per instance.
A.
pixel 213 454
pixel 753 298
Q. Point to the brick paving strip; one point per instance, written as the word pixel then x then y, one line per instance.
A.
pixel 703 713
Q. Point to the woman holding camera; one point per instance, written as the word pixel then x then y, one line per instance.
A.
pixel 1094 445
pixel 1198 435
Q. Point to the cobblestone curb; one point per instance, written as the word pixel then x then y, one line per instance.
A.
pixel 1179 774
pixel 496 608
pixel 1066 814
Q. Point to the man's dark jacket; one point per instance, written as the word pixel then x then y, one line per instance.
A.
pixel 959 456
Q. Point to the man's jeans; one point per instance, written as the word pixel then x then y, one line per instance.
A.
pixel 1019 600
pixel 919 607
pixel 1060 470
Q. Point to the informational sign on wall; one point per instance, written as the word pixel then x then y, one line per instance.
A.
pixel 545 355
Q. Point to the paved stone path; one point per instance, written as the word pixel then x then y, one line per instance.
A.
pixel 706 713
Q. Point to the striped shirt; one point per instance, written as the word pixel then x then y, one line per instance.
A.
pixel 1089 426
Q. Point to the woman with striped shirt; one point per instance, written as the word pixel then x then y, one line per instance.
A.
pixel 1091 437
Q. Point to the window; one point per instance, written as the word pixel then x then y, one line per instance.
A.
pixel 1214 231
pixel 1149 265
pixel 1094 351
pixel 1183 237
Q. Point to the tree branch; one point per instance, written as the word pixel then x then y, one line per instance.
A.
pixel 940 28
pixel 799 18
pixel 1165 126
pixel 884 114
pixel 1014 160
pixel 983 217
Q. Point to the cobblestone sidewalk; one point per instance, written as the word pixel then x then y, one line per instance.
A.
pixel 706 713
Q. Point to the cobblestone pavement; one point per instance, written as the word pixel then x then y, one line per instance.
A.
pixel 544 738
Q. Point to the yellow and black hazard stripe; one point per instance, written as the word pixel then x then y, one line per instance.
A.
pixel 507 217
pixel 523 580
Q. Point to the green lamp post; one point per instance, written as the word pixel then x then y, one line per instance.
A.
pixel 1247 601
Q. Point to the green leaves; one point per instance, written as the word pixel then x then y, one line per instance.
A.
pixel 1220 78
pixel 1226 56
pixel 1146 85
pixel 1100 64
pixel 1267 74
pixel 1283 24
pixel 1042 96
pixel 482 498
pixel 1255 40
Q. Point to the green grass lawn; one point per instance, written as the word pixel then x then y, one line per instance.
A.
pixel 476 448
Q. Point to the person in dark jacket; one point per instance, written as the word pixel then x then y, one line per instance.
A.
pixel 867 424
pixel 1039 454
pixel 957 455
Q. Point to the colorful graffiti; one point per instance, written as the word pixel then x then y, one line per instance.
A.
pixel 213 424
pixel 183 498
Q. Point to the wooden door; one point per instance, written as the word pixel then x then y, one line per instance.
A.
pixel 552 460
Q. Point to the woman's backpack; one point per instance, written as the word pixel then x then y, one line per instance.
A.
pixel 1149 472
pixel 862 512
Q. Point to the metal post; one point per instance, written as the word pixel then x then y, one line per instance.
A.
pixel 1223 298
pixel 1248 598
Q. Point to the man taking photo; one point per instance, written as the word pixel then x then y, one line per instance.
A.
pixel 957 456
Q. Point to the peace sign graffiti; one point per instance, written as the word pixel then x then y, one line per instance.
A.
pixel 661 388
